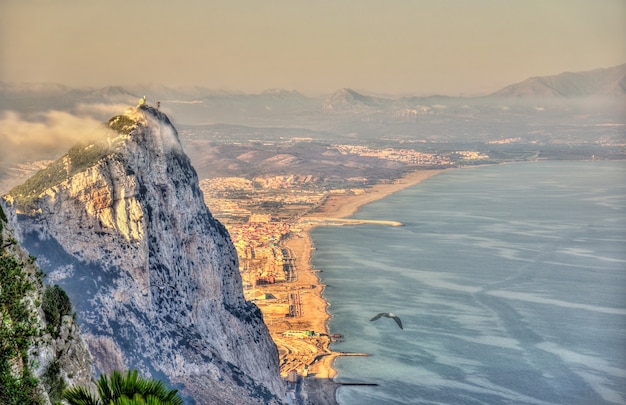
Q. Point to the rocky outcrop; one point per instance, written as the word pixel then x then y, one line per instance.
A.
pixel 31 343
pixel 153 275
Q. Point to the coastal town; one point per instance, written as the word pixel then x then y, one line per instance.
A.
pixel 268 219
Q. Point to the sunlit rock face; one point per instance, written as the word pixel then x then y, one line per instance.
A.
pixel 153 275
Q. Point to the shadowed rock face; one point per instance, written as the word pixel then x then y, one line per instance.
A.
pixel 153 275
pixel 59 353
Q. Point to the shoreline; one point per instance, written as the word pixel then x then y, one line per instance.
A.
pixel 334 208
pixel 341 206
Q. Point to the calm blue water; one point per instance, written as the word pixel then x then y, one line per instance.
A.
pixel 510 281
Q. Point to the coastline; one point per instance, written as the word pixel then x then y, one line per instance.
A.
pixel 341 206
pixel 322 370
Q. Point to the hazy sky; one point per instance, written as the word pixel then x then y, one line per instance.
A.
pixel 315 46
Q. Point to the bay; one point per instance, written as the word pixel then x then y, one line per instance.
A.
pixel 510 281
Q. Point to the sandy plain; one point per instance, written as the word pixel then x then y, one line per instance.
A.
pixel 314 354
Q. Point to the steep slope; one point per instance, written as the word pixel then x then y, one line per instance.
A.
pixel 121 224
pixel 38 336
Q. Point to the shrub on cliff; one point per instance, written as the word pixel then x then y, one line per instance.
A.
pixel 18 329
pixel 122 124
pixel 80 157
pixel 56 304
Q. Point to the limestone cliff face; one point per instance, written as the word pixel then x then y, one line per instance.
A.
pixel 153 275
pixel 53 351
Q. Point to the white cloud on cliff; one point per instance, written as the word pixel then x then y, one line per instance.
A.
pixel 45 136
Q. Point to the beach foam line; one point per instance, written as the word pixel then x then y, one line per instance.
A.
pixel 320 221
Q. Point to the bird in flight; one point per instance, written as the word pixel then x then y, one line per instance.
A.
pixel 388 315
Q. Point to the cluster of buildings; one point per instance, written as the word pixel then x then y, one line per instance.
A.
pixel 261 259
pixel 219 185
pixel 505 141
pixel 280 182
pixel 237 200
pixel 234 199
pixel 471 155
pixel 256 237
pixel 409 156
pixel 413 112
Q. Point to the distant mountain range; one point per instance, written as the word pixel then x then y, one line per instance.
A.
pixel 609 82
pixel 583 108
pixel 349 99
pixel 598 82
pixel 199 105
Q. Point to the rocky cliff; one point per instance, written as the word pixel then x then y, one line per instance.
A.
pixel 121 224
pixel 38 335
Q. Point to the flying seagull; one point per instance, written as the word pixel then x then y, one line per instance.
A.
pixel 388 315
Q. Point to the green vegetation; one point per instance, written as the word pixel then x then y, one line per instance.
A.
pixel 55 383
pixel 56 304
pixel 3 218
pixel 80 157
pixel 122 124
pixel 21 330
pixel 129 389
pixel 19 327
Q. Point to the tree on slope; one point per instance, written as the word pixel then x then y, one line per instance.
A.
pixel 129 389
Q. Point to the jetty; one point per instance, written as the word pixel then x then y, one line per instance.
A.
pixel 320 221
pixel 347 354
pixel 357 384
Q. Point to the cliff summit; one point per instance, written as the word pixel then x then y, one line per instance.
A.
pixel 121 225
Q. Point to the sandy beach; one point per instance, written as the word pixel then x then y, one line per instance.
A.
pixel 342 206
pixel 315 316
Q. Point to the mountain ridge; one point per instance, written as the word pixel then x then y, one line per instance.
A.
pixel 613 84
pixel 597 82
pixel 160 290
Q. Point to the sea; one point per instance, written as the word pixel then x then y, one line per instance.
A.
pixel 509 280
